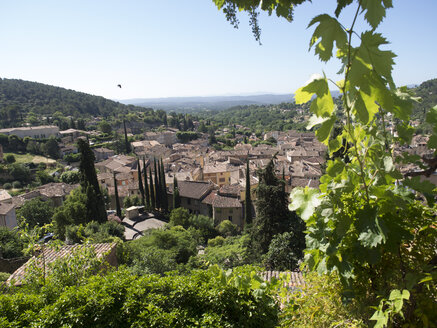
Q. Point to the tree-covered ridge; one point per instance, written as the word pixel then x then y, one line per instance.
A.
pixel 285 116
pixel 427 91
pixel 44 99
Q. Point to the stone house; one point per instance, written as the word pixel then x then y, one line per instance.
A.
pixel 192 194
pixel 8 217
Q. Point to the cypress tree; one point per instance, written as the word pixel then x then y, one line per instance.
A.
pixel 117 200
pixel 126 141
pixel 157 187
pixel 248 203
pixel 152 191
pixel 140 182
pixel 90 185
pixel 273 216
pixel 146 185
pixel 164 188
pixel 176 196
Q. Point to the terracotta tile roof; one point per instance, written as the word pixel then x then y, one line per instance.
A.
pixel 221 201
pixel 193 189
pixel 230 190
pixel 54 189
pixel 210 198
pixel 303 182
pixel 51 255
pixel 295 278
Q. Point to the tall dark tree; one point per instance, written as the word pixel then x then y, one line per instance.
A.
pixel 146 184
pixel 248 202
pixel 126 141
pixel 90 185
pixel 140 182
pixel 163 189
pixel 176 196
pixel 152 190
pixel 117 199
pixel 81 124
pixel 157 186
pixel 72 123
pixel 273 216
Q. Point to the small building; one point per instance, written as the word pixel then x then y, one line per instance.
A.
pixel 35 132
pixel 102 153
pixel 227 207
pixel 8 217
pixel 192 194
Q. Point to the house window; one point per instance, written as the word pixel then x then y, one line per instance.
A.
pixel 231 210
pixel 189 201
pixel 222 180
pixel 230 218
pixel 218 210
pixel 123 183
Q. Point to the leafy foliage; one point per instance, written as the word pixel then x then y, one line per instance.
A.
pixel 319 304
pixel 36 212
pixel 10 243
pixel 119 299
pixel 367 225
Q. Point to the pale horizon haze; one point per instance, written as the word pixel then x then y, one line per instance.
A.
pixel 170 48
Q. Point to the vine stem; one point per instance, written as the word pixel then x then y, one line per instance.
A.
pixel 347 104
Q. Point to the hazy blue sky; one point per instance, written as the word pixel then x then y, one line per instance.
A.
pixel 166 48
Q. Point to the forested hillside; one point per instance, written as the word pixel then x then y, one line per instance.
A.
pixel 19 99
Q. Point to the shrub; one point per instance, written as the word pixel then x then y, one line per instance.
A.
pixel 202 299
pixel 10 159
pixel 10 243
pixel 16 184
pixel 4 276
pixel 7 186
pixel 226 228
pixel 319 304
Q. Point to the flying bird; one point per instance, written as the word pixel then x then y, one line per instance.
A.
pixel 119 85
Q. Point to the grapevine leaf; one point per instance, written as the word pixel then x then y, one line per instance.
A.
pixel 361 109
pixel 335 167
pixel 315 120
pixel 402 104
pixel 381 60
pixel 304 201
pixel 423 186
pixel 325 129
pixel 405 132
pixel 326 33
pixel 335 144
pixel 323 105
pixel 388 164
pixel 371 234
pixel 375 11
pixel 341 4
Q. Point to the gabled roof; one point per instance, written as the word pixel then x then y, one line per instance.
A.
pixel 221 201
pixel 193 189
pixel 51 255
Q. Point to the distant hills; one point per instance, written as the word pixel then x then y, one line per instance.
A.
pixel 190 104
pixel 46 99
pixel 41 99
